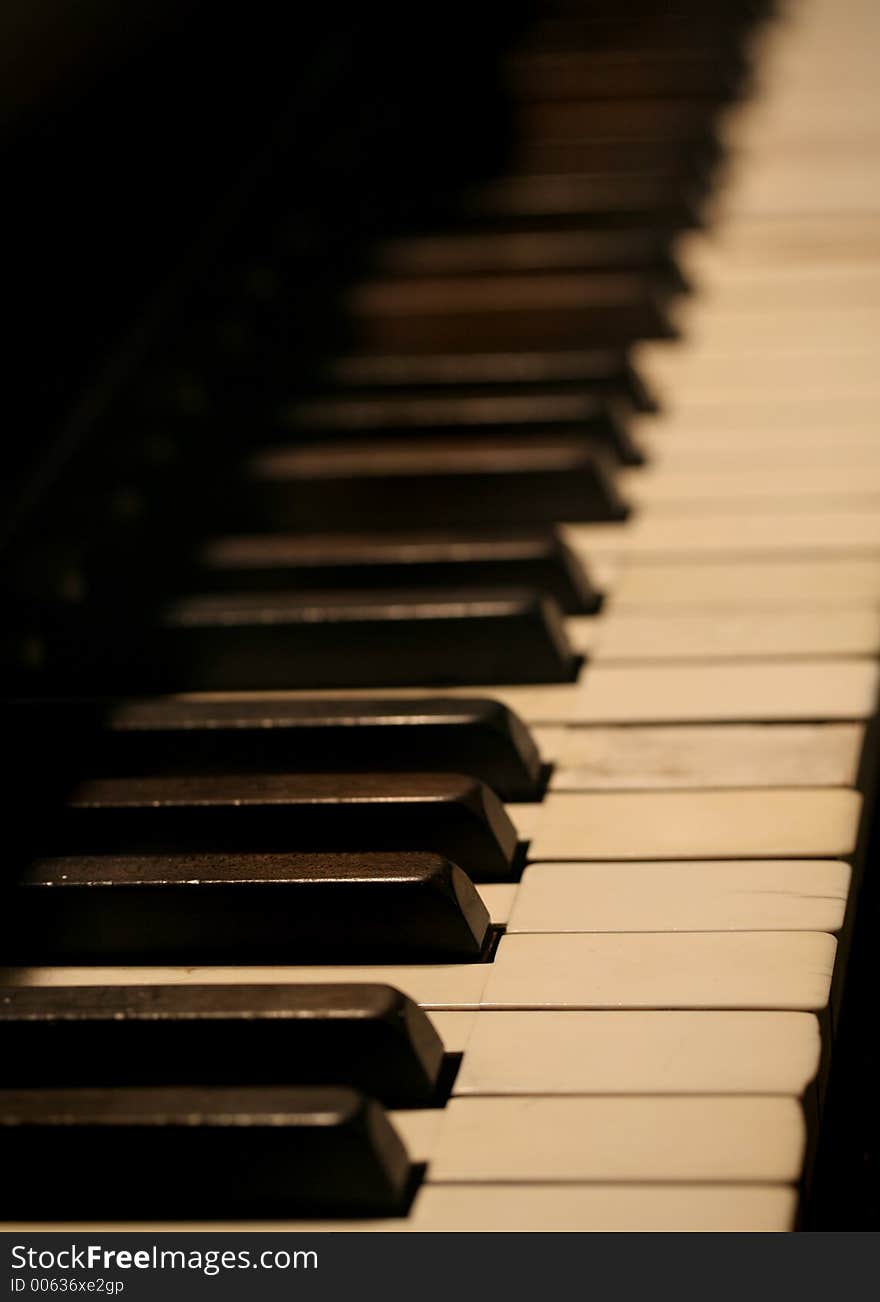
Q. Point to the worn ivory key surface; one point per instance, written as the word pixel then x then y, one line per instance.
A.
pixel 746 969
pixel 751 895
pixel 765 532
pixel 699 692
pixel 659 488
pixel 636 1138
pixel 767 969
pixel 708 755
pixel 714 328
pixel 551 1208
pixel 558 1208
pixel 671 693
pixel 686 450
pixel 691 824
pixel 453 985
pixel 750 587
pixel 720 378
pixel 631 1052
pixel 672 634
pixel 759 424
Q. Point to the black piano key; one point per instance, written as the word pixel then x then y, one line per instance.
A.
pixel 441 813
pixel 521 249
pixel 602 73
pixel 690 161
pixel 241 908
pixel 601 422
pixel 640 24
pixel 601 309
pixel 666 182
pixel 276 642
pixel 56 739
pixel 438 484
pixel 673 119
pixel 606 372
pixel 555 185
pixel 367 1037
pixel 598 308
pixel 597 415
pixel 196 1152
pixel 459 562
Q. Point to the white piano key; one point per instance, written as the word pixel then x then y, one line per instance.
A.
pixel 759 1138
pixel 781 129
pixel 573 1208
pixel 419 1128
pixel 550 740
pixel 713 970
pixel 808 690
pixel 709 326
pixel 797 296
pixel 454 1028
pixel 662 488
pixel 689 970
pixel 752 244
pixel 719 895
pixel 720 378
pixel 728 755
pixel 638 1053
pixel 767 533
pixel 548 703
pixel 770 823
pixel 552 1208
pixel 770 692
pixel 498 899
pixel 685 450
pixel 526 818
pixel 553 704
pixel 453 985
pixel 760 422
pixel 780 186
pixel 678 635
pixel 806 585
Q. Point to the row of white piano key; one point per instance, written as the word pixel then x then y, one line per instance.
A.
pixel 796 530
pixel 715 586
pixel 687 970
pixel 631 1113
pixel 796 150
pixel 823 366
pixel 743 244
pixel 689 895
pixel 672 1095
pixel 551 1207
pixel 756 1138
pixel 763 691
pixel 679 756
pixel 622 635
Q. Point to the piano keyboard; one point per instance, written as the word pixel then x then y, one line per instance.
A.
pixel 643 982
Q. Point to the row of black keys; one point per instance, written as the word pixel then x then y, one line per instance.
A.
pixel 474 609
pixel 499 432
pixel 219 1114
pixel 295 526
pixel 230 1082
pixel 199 1101
pixel 297 831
